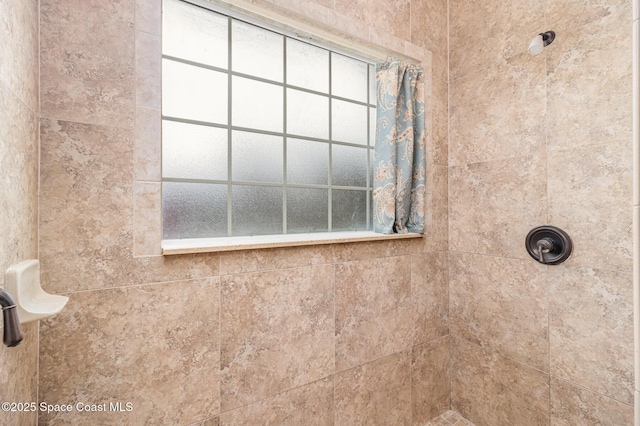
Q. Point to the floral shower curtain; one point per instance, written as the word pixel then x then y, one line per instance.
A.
pixel 400 152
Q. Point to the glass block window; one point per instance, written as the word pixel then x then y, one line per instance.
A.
pixel 262 133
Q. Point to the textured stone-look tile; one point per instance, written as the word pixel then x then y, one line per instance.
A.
pixel 429 30
pixel 501 304
pixel 499 112
pixel 437 230
pixel 147 218
pixel 239 262
pixel 19 50
pixel 147 163
pixel 493 205
pixel 449 418
pixel 86 211
pixel 488 389
pixel 156 269
pixel 18 180
pixel 590 198
pixel 430 380
pixel 155 346
pixel 213 421
pixel 277 332
pixel 19 376
pixel 148 70
pixel 376 393
pixel 589 84
pixel 390 17
pixel 574 405
pixel 591 329
pixel 440 128
pixel 430 296
pixel 87 61
pixel 484 32
pixel 149 16
pixel 373 309
pixel 566 16
pixel 310 404
pixel 375 249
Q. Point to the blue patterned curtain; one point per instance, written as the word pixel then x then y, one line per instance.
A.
pixel 400 153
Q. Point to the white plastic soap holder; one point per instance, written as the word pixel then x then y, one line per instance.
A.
pixel 33 303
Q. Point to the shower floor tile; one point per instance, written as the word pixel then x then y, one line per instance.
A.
pixel 449 418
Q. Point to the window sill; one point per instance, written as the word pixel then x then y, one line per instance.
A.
pixel 208 245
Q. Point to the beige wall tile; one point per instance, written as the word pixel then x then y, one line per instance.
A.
pixel 375 249
pixel 591 329
pixel 86 211
pixel 148 70
pixel 566 16
pixel 147 162
pixel 437 233
pixel 429 20
pixel 574 405
pixel 155 346
pixel 440 139
pixel 155 269
pixel 589 83
pixel 488 389
pixel 499 112
pixel 493 205
pixel 483 32
pixel 277 332
pixel 388 17
pixel 373 310
pixel 147 218
pixel 376 393
pixel 430 380
pixel 310 404
pixel 19 50
pixel 502 305
pixel 239 262
pixel 149 16
pixel 87 61
pixel 430 296
pixel 590 197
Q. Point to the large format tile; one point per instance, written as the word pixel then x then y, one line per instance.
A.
pixel 483 32
pixel 499 112
pixel 147 163
pixel 147 218
pixel 310 405
pixel 493 205
pixel 389 17
pixel 373 309
pixel 149 16
pixel 429 30
pixel 86 211
pixel 376 393
pixel 277 332
pixel 155 346
pixel 148 70
pixel 590 197
pixel 488 389
pixel 589 84
pixel 501 304
pixel 430 380
pixel 575 16
pixel 437 215
pixel 591 329
pixel 440 138
pixel 87 61
pixel 574 405
pixel 19 50
pixel 430 296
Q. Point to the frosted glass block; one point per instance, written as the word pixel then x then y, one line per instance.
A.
pixel 372 85
pixel 193 33
pixel 194 210
pixel 256 157
pixel 349 166
pixel 190 151
pixel 307 66
pixel 307 210
pixel 193 93
pixel 349 77
pixel 256 51
pixel 307 162
pixel 349 210
pixel 372 127
pixel 257 210
pixel 349 122
pixel 257 105
pixel 307 114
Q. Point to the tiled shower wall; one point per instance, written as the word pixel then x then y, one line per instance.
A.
pixel 356 333
pixel 541 140
pixel 19 186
